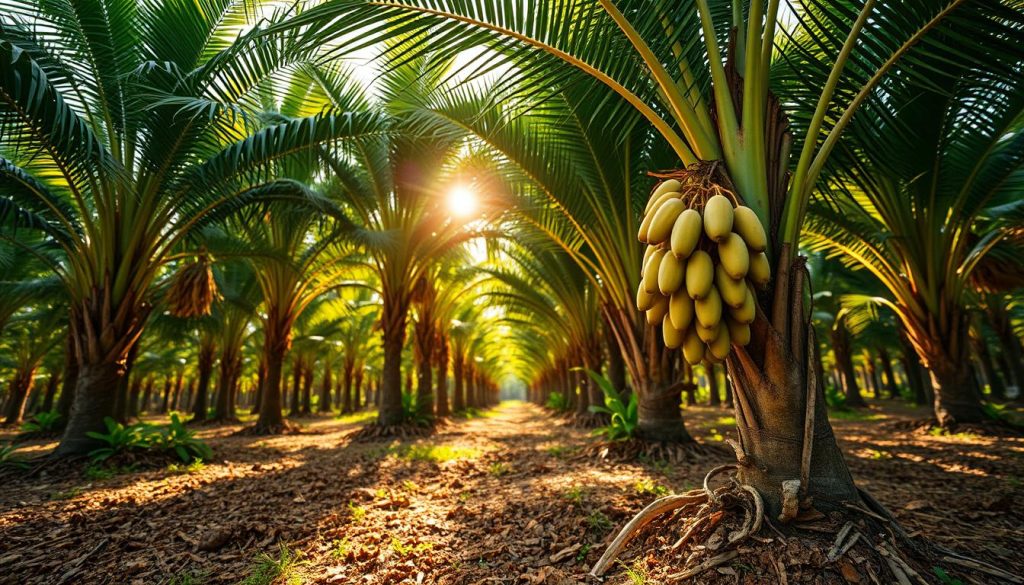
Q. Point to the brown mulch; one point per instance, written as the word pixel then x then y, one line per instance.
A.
pixel 505 498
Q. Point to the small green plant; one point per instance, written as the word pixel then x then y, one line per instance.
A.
pixel 636 573
pixel 405 550
pixel 195 466
pixel 120 438
pixel 411 486
pixel 623 413
pixel 557 451
pixel 575 494
pixel 182 440
pixel 174 438
pixel 42 422
pixel 465 496
pixel 282 569
pixel 499 468
pixel 557 402
pixel 9 459
pixel 97 472
pixel 357 512
pixel 410 410
pixel 878 455
pixel 945 578
pixel 644 487
pixel 435 453
pixel 339 548
pixel 598 522
pixel 835 399
pixel 67 494
pixel 582 554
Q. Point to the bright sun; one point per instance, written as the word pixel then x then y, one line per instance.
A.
pixel 462 201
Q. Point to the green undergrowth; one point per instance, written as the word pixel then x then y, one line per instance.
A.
pixel 433 453
pixel 283 569
pixel 357 418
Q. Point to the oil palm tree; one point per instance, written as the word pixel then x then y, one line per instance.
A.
pixel 122 128
pixel 395 187
pixel 922 201
pixel 676 64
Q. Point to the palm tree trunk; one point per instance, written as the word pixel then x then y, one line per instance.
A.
pixel 442 377
pixel 92 402
pixel 20 388
pixel 712 376
pixel 956 395
pixel 844 363
pixel 997 389
pixel 357 391
pixel 223 410
pixel 324 404
pixel 459 396
pixel 134 395
pixel 307 389
pixel 390 412
pixel 890 378
pixel 51 392
pixel 204 367
pixel 659 415
pixel 147 394
pixel 346 391
pixel 168 384
pixel 67 389
pixel 276 342
pixel 771 389
pixel 296 388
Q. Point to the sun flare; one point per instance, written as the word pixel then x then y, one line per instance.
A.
pixel 462 201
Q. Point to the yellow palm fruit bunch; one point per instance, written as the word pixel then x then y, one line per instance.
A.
pixel 705 255
pixel 193 289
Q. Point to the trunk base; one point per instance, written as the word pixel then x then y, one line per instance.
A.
pixel 726 526
pixel 638 450
pixel 379 432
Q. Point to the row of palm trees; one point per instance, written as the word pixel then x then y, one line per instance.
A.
pixel 138 147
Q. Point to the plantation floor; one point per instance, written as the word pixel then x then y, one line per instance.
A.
pixel 503 498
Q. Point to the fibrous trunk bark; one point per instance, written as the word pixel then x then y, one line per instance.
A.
pixel 276 342
pixel 324 404
pixel 844 364
pixel 459 396
pixel 390 412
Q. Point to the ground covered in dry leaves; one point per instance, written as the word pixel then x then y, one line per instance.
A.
pixel 508 497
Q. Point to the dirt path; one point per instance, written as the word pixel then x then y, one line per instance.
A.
pixel 496 499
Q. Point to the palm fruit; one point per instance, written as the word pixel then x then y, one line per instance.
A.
pixel 733 256
pixel 732 291
pixel 709 309
pixel 748 226
pixel 670 274
pixel 669 186
pixel 760 269
pixel 644 299
pixel 656 314
pixel 641 234
pixel 664 218
pixel 680 310
pixel 647 256
pixel 718 217
pixel 745 313
pixel 700 274
pixel 693 347
pixel 720 345
pixel 710 359
pixel 686 233
pixel 739 333
pixel 707 334
pixel 673 337
pixel 650 275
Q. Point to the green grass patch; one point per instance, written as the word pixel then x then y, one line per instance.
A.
pixel 646 487
pixel 575 494
pixel 404 550
pixel 282 569
pixel 855 415
pixel 195 466
pixel 434 453
pixel 498 468
pixel 357 418
pixel 557 451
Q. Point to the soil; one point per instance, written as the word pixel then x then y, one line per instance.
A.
pixel 514 496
